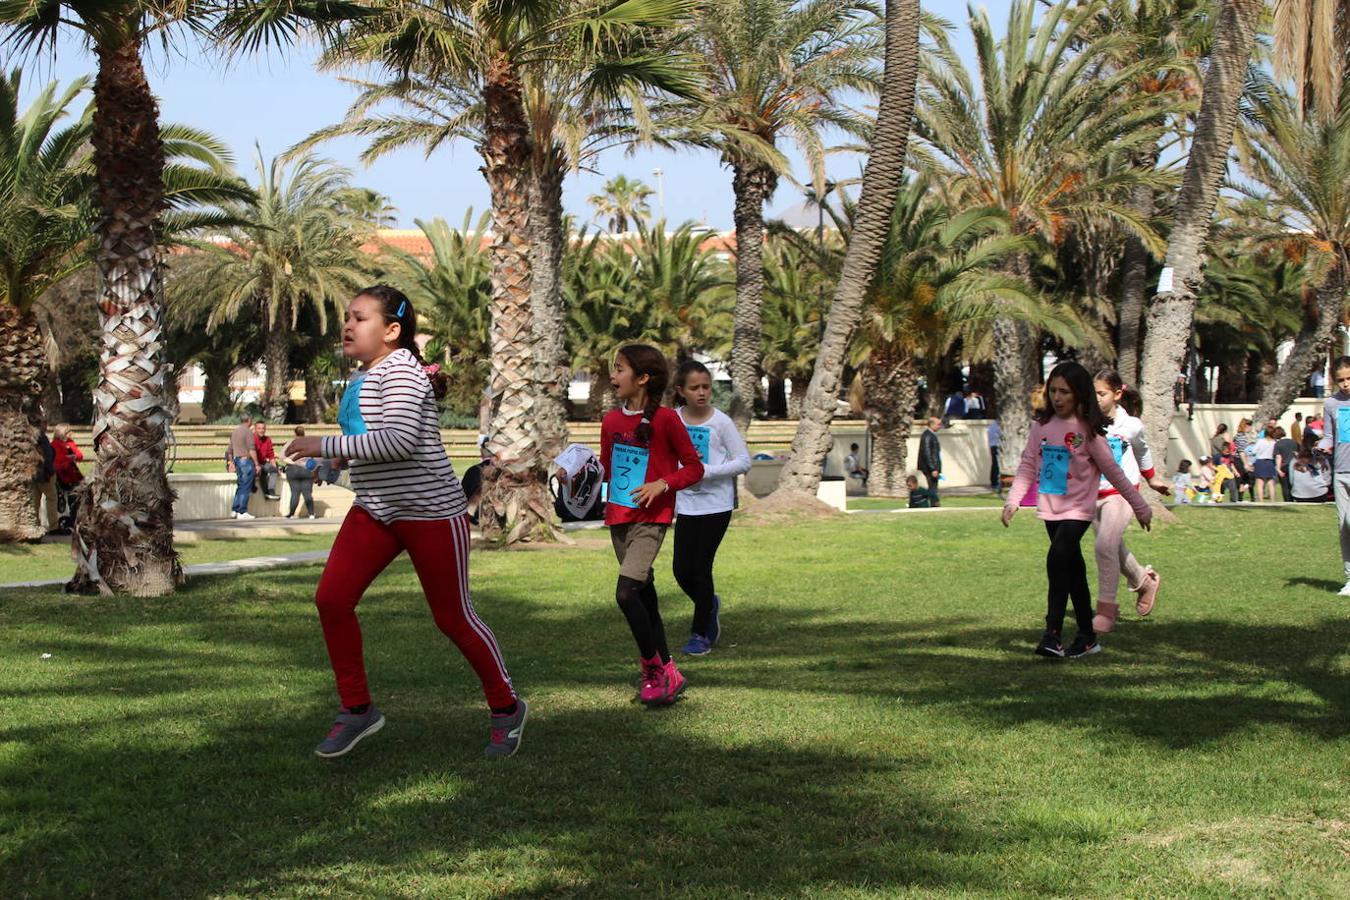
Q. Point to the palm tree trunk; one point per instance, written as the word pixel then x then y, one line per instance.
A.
pixel 1310 346
pixel 890 388
pixel 1016 373
pixel 516 505
pixel 752 185
pixel 880 185
pixel 277 359
pixel 1134 273
pixel 549 318
pixel 316 401
pixel 124 534
pixel 1172 312
pixel 216 399
pixel 20 387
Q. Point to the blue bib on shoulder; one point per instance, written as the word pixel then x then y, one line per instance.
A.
pixel 349 408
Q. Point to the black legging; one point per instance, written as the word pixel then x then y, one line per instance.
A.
pixel 638 602
pixel 1067 572
pixel 301 486
pixel 696 541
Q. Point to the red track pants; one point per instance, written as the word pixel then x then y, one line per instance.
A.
pixel 439 550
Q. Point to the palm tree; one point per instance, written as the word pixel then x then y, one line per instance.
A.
pixel 623 202
pixel 537 86
pixel 880 185
pixel 598 287
pixel 1312 43
pixel 1298 169
pixel 680 294
pixel 298 245
pixel 452 292
pixel 795 305
pixel 778 69
pixel 1171 312
pixel 1043 141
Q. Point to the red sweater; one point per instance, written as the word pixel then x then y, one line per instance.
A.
pixel 671 456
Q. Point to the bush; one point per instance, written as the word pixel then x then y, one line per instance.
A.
pixel 451 418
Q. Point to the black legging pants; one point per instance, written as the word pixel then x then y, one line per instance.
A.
pixel 696 541
pixel 1067 572
pixel 638 602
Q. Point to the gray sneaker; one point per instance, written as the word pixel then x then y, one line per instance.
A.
pixel 504 739
pixel 348 729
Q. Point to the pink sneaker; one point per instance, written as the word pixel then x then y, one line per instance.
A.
pixel 1148 592
pixel 1105 619
pixel 673 682
pixel 653 680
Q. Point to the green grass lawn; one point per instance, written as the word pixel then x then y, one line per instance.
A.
pixel 873 724
pixel 988 499
pixel 40 562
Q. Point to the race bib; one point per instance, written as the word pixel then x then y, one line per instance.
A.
pixel 701 435
pixel 1054 470
pixel 1343 424
pixel 628 466
pixel 349 407
pixel 1117 448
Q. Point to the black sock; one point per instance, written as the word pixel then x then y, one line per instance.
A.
pixel 505 710
pixel 359 710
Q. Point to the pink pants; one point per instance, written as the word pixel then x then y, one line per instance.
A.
pixel 439 551
pixel 1114 515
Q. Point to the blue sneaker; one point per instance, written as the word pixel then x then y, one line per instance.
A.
pixel 698 645
pixel 715 620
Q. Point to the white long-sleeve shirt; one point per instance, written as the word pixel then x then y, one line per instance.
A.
pixel 727 457
pixel 1125 434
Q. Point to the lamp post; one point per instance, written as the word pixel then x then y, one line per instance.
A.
pixel 659 175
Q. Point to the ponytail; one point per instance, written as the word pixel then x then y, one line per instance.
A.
pixel 1130 399
pixel 396 307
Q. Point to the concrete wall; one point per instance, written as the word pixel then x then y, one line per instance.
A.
pixel 209 495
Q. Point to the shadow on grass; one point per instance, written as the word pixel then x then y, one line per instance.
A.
pixel 1321 584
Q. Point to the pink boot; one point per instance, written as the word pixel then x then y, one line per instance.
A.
pixel 653 680
pixel 1105 619
pixel 1148 592
pixel 674 683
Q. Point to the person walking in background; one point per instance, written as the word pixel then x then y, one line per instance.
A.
pixel 1286 451
pixel 1296 429
pixel 66 458
pixel 994 436
pixel 244 465
pixel 853 466
pixel 930 456
pixel 1263 452
pixel 267 460
pixel 300 475
pixel 44 481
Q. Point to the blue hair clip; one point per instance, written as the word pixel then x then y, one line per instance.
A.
pixel 402 305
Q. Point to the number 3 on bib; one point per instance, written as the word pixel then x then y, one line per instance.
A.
pixel 628 465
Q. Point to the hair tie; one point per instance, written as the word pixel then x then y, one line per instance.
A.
pixel 402 305
pixel 431 370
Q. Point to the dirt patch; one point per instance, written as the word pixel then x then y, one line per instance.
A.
pixel 785 506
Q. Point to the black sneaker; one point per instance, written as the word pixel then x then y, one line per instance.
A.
pixel 1083 645
pixel 1050 646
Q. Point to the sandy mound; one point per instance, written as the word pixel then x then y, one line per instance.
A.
pixel 784 506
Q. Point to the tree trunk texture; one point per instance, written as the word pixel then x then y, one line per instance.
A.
pixel 124 533
pixel 890 388
pixel 1133 278
pixel 752 185
pixel 516 505
pixel 797 388
pixel 316 400
pixel 600 395
pixel 1017 371
pixel 1232 386
pixel 1310 346
pixel 217 401
pixel 1171 313
pixel 25 365
pixel 549 318
pixel 881 182
pixel 276 397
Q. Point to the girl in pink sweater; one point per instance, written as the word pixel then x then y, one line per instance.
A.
pixel 1066 457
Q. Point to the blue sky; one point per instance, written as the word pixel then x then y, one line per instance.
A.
pixel 276 99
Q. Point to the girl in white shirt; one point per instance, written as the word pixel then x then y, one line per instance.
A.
pixel 703 512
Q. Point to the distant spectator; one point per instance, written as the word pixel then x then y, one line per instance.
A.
pixel 930 456
pixel 300 476
pixel 1263 466
pixel 920 498
pixel 267 460
pixel 1181 482
pixel 1296 430
pixel 1202 481
pixel 1241 460
pixel 955 408
pixel 1318 382
pixel 1286 450
pixel 994 436
pixel 472 480
pixel 66 458
pixel 44 480
pixel 244 463
pixel 1310 480
pixel 975 408
pixel 1218 444
pixel 853 466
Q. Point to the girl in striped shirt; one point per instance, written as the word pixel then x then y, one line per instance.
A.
pixel 407 498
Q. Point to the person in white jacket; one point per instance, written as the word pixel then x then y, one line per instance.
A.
pixel 703 512
pixel 1125 434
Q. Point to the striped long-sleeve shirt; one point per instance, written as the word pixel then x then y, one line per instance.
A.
pixel 399 469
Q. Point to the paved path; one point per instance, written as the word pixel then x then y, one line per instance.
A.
pixel 232 567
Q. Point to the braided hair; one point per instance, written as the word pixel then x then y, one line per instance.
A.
pixel 396 307
pixel 644 359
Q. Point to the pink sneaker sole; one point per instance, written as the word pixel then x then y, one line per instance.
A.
pixel 1148 592
pixel 1105 619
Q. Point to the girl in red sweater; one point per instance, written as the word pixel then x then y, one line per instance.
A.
pixel 648 456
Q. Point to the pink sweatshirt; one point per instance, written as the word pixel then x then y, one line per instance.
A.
pixel 1090 460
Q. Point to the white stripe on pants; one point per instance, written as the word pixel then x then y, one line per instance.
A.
pixel 1114 515
pixel 1342 485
